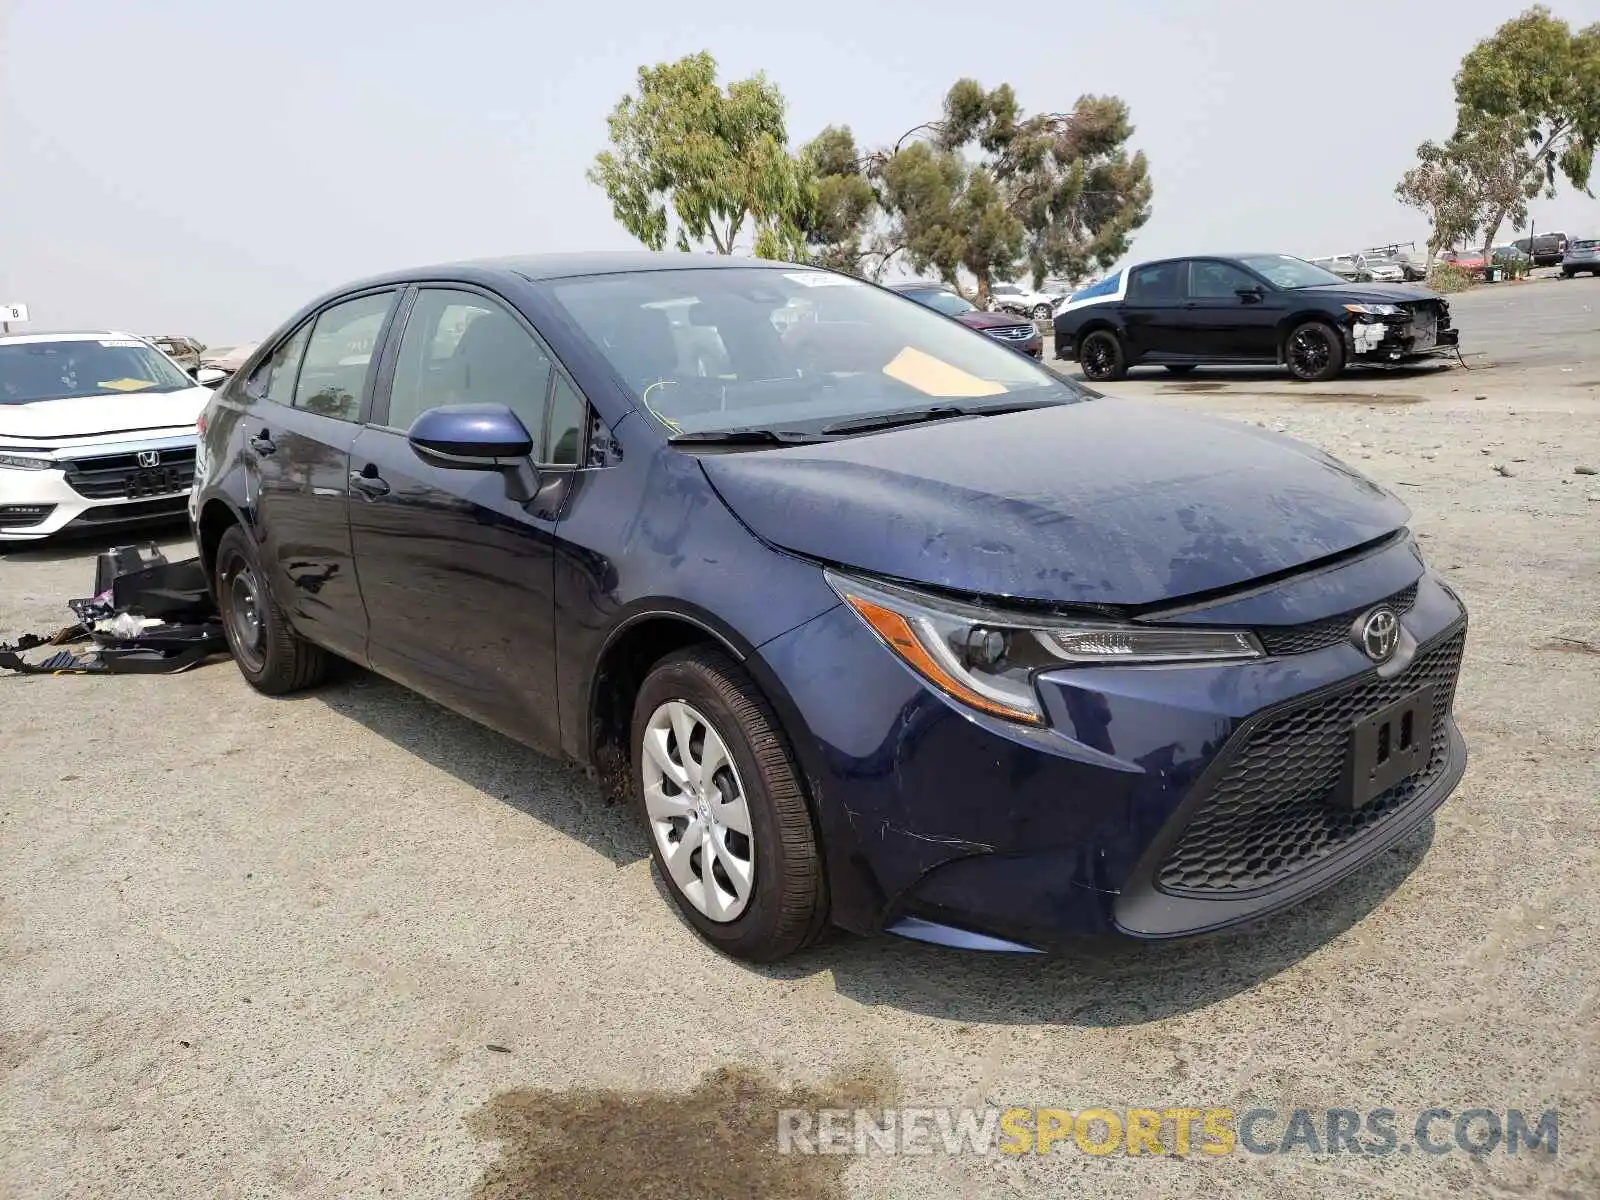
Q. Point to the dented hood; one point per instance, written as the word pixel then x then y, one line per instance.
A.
pixel 1105 502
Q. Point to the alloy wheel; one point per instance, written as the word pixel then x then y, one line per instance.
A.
pixel 1309 351
pixel 698 811
pixel 1097 357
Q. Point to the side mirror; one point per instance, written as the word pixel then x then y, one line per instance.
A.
pixel 1250 295
pixel 209 376
pixel 471 437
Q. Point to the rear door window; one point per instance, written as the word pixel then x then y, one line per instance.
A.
pixel 339 356
pixel 274 379
pixel 1160 283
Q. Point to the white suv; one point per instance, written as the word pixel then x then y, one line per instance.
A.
pixel 1008 297
pixel 96 429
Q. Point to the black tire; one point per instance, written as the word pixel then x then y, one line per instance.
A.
pixel 1101 356
pixel 270 655
pixel 788 906
pixel 1180 368
pixel 1568 274
pixel 1041 312
pixel 1314 352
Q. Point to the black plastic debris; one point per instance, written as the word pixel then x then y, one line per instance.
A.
pixel 147 616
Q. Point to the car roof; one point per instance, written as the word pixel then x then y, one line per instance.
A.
pixel 539 267
pixel 71 335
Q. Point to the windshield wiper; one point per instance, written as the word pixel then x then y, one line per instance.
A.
pixel 938 413
pixel 743 437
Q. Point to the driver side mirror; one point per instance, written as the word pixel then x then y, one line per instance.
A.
pixel 1250 295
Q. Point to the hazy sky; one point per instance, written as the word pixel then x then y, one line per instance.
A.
pixel 206 166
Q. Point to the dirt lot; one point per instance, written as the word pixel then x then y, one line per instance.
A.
pixel 351 945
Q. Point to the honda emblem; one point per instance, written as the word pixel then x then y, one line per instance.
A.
pixel 149 458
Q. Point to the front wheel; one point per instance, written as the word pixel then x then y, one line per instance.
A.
pixel 1041 312
pixel 1101 356
pixel 1314 352
pixel 724 808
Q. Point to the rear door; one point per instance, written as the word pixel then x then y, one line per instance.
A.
pixel 458 577
pixel 1153 311
pixel 315 387
pixel 1232 315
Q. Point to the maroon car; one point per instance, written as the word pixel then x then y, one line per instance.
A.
pixel 1020 335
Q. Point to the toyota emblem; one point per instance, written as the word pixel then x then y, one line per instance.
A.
pixel 149 458
pixel 1379 634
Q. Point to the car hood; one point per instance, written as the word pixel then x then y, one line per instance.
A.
pixel 989 320
pixel 91 416
pixel 1372 293
pixel 1098 502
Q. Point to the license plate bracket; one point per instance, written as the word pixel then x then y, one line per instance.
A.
pixel 1387 747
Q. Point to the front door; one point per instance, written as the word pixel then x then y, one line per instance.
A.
pixel 298 433
pixel 1231 315
pixel 457 574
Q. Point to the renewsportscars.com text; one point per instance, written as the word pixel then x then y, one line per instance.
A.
pixel 1160 1131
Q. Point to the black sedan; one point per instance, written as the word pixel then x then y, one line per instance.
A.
pixel 1181 313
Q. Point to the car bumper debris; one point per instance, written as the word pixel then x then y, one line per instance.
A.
pixel 147 616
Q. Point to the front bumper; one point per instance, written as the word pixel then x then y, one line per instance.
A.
pixel 98 484
pixel 1160 802
pixel 1387 340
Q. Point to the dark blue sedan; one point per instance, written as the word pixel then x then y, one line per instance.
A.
pixel 874 622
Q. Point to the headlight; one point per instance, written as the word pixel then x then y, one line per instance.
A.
pixel 25 462
pixel 987 658
pixel 1374 310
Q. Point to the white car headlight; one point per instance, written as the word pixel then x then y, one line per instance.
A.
pixel 987 658
pixel 25 462
pixel 1374 310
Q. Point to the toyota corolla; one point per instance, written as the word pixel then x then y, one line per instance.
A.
pixel 871 620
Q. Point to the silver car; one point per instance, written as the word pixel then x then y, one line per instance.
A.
pixel 1583 254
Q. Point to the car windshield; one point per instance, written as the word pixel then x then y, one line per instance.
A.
pixel 948 303
pixel 1585 244
pixel 34 371
pixel 760 348
pixel 1286 271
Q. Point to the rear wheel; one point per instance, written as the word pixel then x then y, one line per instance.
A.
pixel 1101 356
pixel 271 656
pixel 724 808
pixel 1314 352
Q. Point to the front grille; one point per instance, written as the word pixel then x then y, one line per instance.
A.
pixel 122 476
pixel 1280 640
pixel 24 516
pixel 1013 333
pixel 1269 816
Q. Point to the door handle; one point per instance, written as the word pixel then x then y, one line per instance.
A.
pixel 262 443
pixel 369 485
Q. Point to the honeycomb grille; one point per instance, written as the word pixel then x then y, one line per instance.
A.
pixel 1330 631
pixel 1268 817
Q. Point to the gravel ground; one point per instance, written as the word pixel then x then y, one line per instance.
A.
pixel 351 945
